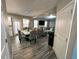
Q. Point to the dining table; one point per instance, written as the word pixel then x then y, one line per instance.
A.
pixel 26 33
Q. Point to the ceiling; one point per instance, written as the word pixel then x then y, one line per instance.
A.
pixel 29 7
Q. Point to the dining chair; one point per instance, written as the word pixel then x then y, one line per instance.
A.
pixel 32 36
pixel 21 35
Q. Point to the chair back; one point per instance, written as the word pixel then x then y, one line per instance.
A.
pixel 19 33
pixel 33 34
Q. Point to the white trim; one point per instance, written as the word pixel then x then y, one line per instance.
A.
pixel 54 48
pixel 2 50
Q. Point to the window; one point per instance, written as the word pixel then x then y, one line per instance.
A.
pixel 16 27
pixel 25 22
pixel 35 23
pixel 9 20
pixel 45 24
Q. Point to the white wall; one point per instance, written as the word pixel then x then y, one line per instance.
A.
pixel 62 3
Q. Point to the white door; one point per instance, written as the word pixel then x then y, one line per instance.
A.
pixel 4 45
pixel 62 29
pixel 5 51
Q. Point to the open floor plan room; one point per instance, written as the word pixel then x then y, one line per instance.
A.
pixel 38 29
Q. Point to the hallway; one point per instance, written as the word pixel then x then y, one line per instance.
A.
pixel 25 50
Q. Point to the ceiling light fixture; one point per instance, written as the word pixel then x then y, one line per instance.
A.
pixel 35 17
pixel 50 16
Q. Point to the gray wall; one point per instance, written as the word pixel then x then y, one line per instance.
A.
pixel 51 24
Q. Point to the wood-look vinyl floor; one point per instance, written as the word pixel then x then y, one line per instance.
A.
pixel 38 50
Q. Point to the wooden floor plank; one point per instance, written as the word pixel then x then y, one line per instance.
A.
pixel 25 50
